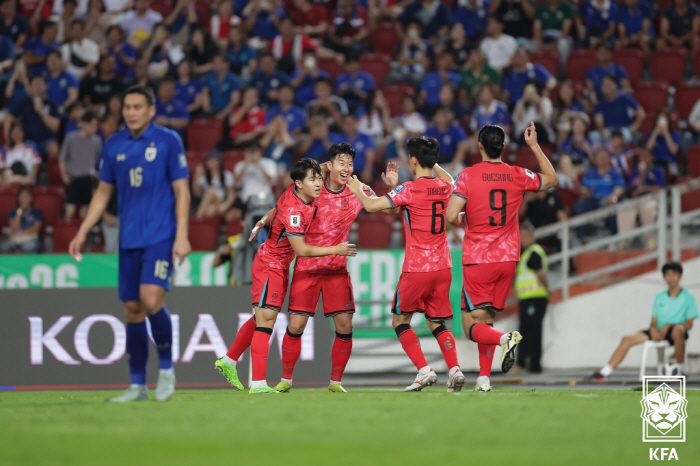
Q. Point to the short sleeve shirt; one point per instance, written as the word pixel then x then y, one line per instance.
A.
pixel 674 311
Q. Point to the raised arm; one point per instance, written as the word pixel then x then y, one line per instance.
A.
pixel 548 175
pixel 370 204
pixel 441 173
pixel 98 205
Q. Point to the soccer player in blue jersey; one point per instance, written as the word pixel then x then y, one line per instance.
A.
pixel 147 164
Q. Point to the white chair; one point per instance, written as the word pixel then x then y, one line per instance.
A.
pixel 661 348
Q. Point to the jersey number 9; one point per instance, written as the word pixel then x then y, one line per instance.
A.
pixel 161 269
pixel 494 206
pixel 136 176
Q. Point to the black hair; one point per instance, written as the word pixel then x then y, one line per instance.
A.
pixel 254 145
pixel 56 52
pixel 266 53
pixel 145 91
pixel 88 117
pixel 285 85
pixel 288 18
pixel 675 266
pixel 219 54
pixel 323 79
pixel 112 28
pixel 301 168
pixel 414 22
pixel 167 79
pixel 492 137
pixel 352 57
pixel 609 76
pixel 339 149
pixel 603 45
pixel 47 24
pixel 36 76
pixel 74 2
pixel 17 124
pixel 425 149
pixel 443 108
pixel 616 133
pixel 78 21
pixel 22 189
pixel 215 154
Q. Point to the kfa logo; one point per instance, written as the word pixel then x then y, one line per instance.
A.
pixel 662 454
pixel 664 409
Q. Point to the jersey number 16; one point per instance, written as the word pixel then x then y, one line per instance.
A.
pixel 136 176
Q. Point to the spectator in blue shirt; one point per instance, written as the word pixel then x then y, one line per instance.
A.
pixel 634 26
pixel 7 60
pixel 433 14
pixel 123 52
pixel 260 18
pixel 170 111
pixel 566 106
pixel 268 80
pixel 664 141
pixel 413 55
pixel 304 79
pixel 575 153
pixel 606 67
pixel 473 14
pixel 188 90
pixel 25 225
pixel 489 112
pixel 365 150
pixel 13 25
pixel 616 111
pixel 61 85
pixel 429 96
pixel 601 185
pixel 354 84
pixel 292 114
pixel 316 144
pixel 596 21
pixel 221 89
pixel 452 139
pixel 522 72
pixel 37 47
pixel 241 56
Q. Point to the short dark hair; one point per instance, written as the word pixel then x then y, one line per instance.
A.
pixel 288 18
pixel 36 76
pixel 285 86
pixel 492 137
pixel 616 134
pixel 145 91
pixel 675 266
pixel 268 54
pixel 301 168
pixel 603 45
pixel 80 21
pixel 47 24
pixel 88 117
pixel 56 52
pixel 339 149
pixel 323 79
pixel 609 76
pixel 425 149
pixel 167 80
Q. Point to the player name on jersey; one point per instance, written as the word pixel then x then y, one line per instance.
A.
pixel 496 177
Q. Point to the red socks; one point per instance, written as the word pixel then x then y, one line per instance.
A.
pixel 447 345
pixel 411 345
pixel 242 340
pixel 340 354
pixel 485 358
pixel 291 349
pixel 485 333
pixel 259 349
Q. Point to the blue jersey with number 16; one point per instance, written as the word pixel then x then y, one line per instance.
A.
pixel 143 169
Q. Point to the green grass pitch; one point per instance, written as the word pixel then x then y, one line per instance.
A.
pixel 313 427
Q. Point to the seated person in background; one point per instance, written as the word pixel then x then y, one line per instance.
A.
pixel 576 151
pixel 188 90
pixel 448 98
pixel 672 316
pixel 473 15
pixel 552 28
pixel 138 24
pixel 621 156
pixel 293 115
pixel 606 67
pixel 305 76
pixel 39 117
pixel 646 178
pixel 456 45
pixel 261 17
pixel 255 175
pixel 544 208
pixel 429 97
pixel 22 160
pixel 452 140
pixel 365 150
pixel 616 111
pixel 124 53
pixel 170 111
pixel 268 80
pixel 95 91
pixel 201 51
pixel 413 57
pixel 222 21
pixel 221 89
pixel 634 27
pixel 517 17
pixel 38 47
pixel 25 225
pixel 310 18
pixel 326 104
pixel 680 26
pixel 13 24
pixel 489 112
pixel 601 185
pixel 247 122
pixel 374 116
pixel 354 84
pixel 316 143
pixel 61 86
pixel 535 108
pixel 476 75
pixel 435 16
pixel 566 107
pixel 288 47
pixel 521 72
pixel 664 142
pixel 80 154
pixel 348 27
pixel 498 48
pixel 409 124
pixel 214 187
pixel 80 54
pixel 139 74
pixel 278 144
pixel 596 21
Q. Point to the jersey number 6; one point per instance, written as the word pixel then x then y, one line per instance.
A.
pixel 434 229
pixel 502 208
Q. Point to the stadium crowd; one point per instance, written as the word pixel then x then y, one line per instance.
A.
pixel 252 85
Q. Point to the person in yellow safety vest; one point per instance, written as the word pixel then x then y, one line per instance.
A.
pixel 533 294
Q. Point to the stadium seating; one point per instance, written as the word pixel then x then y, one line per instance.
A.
pixel 194 159
pixel 203 134
pixel 696 63
pixel 632 60
pixel 578 63
pixel 651 95
pixel 385 39
pixel 234 227
pixel 376 64
pixel 547 58
pixel 53 172
pixel 63 232
pixel 374 231
pixel 648 122
pixel 231 158
pixel 694 161
pixel 331 67
pixel 526 158
pixel 685 98
pixel 204 233
pixel 7 204
pixel 164 7
pixel 49 200
pixel 669 65
pixel 394 97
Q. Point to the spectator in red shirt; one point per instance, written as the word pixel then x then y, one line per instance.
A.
pixel 221 22
pixel 288 47
pixel 247 122
pixel 348 27
pixel 311 19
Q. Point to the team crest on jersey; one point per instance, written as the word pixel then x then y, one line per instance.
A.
pixel 121 157
pixel 183 160
pixel 397 190
pixel 295 220
pixel 151 153
pixel 529 173
pixel 345 203
pixel 274 297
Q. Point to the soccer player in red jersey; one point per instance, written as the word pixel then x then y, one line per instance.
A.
pixel 293 213
pixel 424 285
pixel 335 210
pixel 493 191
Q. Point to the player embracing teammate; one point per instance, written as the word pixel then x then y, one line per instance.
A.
pixel 493 192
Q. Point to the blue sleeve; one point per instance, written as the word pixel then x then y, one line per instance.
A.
pixel 621 72
pixel 631 102
pixel 39 215
pixel 619 179
pixel 339 81
pixel 235 82
pixel 73 81
pixel 22 25
pixel 408 14
pixel 371 85
pixel 542 74
pixel 424 83
pixel 656 310
pixel 598 110
pixel 614 11
pixel 106 169
pixel 181 111
pixel 676 136
pixel 369 143
pixel 177 161
pixel 660 177
pixel 586 181
pixel 460 135
pixel 269 115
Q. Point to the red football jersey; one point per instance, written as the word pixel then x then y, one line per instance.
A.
pixel 423 203
pixel 292 217
pixel 494 193
pixel 334 213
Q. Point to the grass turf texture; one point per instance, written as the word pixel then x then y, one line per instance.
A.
pixel 313 427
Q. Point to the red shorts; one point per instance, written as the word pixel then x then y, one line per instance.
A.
pixel 427 292
pixel 487 285
pixel 335 287
pixel 269 285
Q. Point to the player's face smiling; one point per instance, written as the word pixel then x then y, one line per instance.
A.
pixel 341 169
pixel 137 113
pixel 311 186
